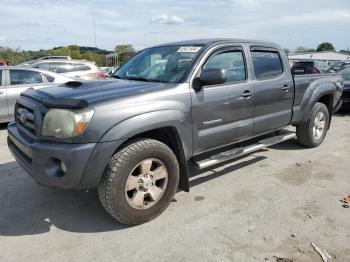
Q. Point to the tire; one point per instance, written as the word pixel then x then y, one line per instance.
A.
pixel 129 164
pixel 307 132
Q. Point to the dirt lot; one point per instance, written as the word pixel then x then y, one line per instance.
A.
pixel 272 204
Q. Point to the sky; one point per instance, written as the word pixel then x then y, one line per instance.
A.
pixel 43 24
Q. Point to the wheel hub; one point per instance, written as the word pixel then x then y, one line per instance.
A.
pixel 319 125
pixel 146 182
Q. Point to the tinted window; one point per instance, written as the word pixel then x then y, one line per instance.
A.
pixel 21 77
pixel 61 67
pixel 346 73
pixel 43 66
pixel 0 77
pixel 81 67
pixel 232 62
pixel 305 67
pixel 267 64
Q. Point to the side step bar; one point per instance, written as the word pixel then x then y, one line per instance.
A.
pixel 241 151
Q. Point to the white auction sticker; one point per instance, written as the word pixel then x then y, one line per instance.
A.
pixel 189 49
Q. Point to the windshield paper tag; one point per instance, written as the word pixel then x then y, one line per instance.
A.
pixel 189 49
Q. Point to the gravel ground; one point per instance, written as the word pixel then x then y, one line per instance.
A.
pixel 269 205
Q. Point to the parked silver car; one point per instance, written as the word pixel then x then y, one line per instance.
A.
pixel 78 69
pixel 52 57
pixel 15 80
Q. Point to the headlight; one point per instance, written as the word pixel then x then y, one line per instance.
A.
pixel 63 123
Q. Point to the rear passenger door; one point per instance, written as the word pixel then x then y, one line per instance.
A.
pixel 274 89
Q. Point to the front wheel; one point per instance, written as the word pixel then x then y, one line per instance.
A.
pixel 314 130
pixel 139 182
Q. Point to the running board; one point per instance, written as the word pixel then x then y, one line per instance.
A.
pixel 241 151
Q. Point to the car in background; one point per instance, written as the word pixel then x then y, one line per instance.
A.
pixel 52 57
pixel 4 63
pixel 338 66
pixel 304 67
pixel 108 71
pixel 77 69
pixel 345 72
pixel 15 80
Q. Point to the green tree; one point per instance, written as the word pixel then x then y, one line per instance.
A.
pixel 74 51
pixel 302 49
pixel 325 46
pixel 125 52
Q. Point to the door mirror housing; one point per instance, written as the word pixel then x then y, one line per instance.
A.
pixel 213 77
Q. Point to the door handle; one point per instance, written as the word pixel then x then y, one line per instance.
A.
pixel 1 92
pixel 285 88
pixel 246 94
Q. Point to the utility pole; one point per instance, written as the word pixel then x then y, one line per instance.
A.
pixel 93 21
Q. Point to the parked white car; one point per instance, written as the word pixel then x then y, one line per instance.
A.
pixel 15 80
pixel 77 69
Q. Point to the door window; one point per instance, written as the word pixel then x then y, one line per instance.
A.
pixel 61 67
pixel 43 66
pixel 267 64
pixel 346 74
pixel 22 77
pixel 232 62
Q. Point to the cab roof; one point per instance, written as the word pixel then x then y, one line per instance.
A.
pixel 215 41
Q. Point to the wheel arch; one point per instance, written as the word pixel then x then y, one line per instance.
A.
pixel 172 127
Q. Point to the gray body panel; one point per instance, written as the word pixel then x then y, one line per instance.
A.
pixel 206 119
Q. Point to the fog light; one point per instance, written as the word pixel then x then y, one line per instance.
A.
pixel 63 167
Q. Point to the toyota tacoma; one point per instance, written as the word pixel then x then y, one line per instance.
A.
pixel 169 110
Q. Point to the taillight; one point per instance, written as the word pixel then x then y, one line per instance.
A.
pixel 102 75
pixel 314 70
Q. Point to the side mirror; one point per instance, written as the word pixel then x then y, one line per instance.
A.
pixel 213 77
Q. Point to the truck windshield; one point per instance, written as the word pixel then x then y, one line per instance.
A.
pixel 166 64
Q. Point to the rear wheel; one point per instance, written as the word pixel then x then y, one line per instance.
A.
pixel 314 130
pixel 139 182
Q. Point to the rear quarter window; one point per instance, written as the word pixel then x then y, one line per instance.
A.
pixel 81 67
pixel 267 64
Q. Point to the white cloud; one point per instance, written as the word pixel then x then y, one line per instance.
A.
pixel 2 39
pixel 167 20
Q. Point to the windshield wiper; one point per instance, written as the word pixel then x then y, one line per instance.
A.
pixel 136 78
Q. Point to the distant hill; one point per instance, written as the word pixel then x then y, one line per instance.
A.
pixel 74 51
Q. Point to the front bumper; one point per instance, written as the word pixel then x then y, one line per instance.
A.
pixel 85 163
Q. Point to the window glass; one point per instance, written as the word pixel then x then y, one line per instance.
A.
pixel 232 62
pixel 159 64
pixel 61 67
pixel 267 64
pixel 0 77
pixel 346 74
pixel 21 77
pixel 81 67
pixel 43 66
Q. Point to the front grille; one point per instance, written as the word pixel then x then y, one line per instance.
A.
pixel 25 118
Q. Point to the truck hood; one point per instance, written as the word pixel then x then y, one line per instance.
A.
pixel 89 92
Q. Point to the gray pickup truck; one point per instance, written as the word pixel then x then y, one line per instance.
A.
pixel 172 108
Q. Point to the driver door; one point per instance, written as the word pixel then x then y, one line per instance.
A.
pixel 223 114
